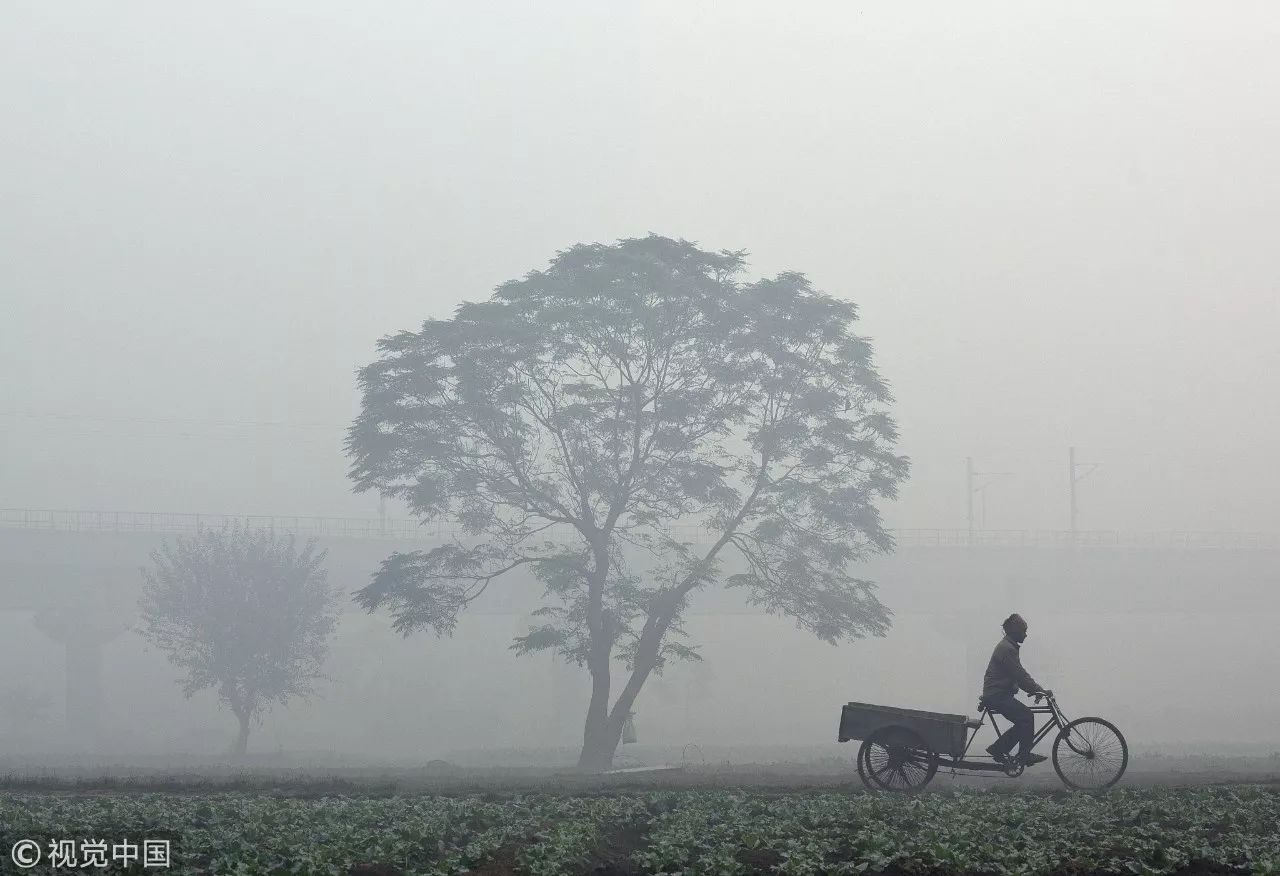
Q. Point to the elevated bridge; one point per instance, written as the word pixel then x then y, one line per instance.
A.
pixel 78 574
pixel 93 559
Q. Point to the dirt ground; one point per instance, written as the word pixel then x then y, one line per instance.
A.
pixel 442 778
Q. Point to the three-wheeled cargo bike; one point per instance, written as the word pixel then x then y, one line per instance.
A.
pixel 903 749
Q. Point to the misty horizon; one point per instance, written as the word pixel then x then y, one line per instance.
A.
pixel 1056 230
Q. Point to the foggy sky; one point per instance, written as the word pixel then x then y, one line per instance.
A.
pixel 1059 222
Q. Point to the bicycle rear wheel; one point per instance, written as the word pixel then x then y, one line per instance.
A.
pixel 1090 754
pixel 897 759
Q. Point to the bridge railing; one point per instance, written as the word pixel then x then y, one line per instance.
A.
pixel 178 522
pixel 1048 538
pixel 410 529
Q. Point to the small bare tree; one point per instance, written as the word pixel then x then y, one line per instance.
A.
pixel 241 611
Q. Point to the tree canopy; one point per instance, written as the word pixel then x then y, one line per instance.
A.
pixel 581 422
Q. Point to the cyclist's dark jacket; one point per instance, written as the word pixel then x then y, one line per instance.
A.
pixel 1005 674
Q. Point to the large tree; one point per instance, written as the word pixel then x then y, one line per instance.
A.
pixel 242 611
pixel 582 418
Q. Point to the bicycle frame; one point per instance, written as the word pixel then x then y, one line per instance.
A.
pixel 1057 722
pixel 1050 708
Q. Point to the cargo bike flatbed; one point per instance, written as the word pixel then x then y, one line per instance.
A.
pixel 903 749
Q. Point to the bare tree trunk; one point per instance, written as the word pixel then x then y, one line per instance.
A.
pixel 241 745
pixel 597 751
pixel 599 742
pixel 604 731
pixel 243 713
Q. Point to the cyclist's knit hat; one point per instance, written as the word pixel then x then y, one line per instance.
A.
pixel 1013 620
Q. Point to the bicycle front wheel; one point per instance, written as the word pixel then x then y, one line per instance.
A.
pixel 1090 754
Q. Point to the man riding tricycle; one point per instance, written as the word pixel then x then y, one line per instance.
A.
pixel 902 749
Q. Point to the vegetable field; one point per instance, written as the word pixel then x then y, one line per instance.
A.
pixel 1215 829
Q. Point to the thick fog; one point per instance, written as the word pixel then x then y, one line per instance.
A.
pixel 1058 223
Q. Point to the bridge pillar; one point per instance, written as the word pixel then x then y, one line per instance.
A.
pixel 83 633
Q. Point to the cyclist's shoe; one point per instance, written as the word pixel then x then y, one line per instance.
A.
pixel 1000 757
pixel 1033 759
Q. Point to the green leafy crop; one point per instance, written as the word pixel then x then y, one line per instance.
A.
pixel 681 832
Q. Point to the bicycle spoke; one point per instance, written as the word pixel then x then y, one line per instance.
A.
pixel 879 763
pixel 894 762
pixel 911 773
pixel 1090 756
pixel 885 771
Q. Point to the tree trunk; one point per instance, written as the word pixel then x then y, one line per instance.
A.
pixel 597 749
pixel 599 742
pixel 604 727
pixel 241 745
pixel 604 730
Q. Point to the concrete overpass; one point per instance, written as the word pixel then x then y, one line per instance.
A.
pixel 78 574
pixel 63 559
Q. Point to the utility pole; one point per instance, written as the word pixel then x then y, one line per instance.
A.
pixel 970 477
pixel 968 482
pixel 1073 466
